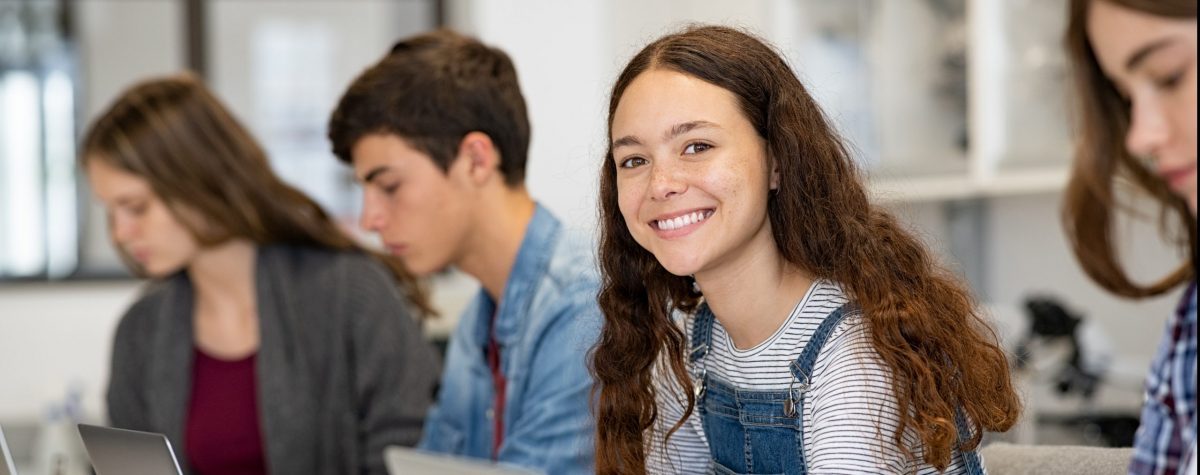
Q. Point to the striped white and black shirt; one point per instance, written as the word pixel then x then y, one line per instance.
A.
pixel 850 413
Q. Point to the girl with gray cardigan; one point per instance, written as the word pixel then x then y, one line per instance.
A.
pixel 268 341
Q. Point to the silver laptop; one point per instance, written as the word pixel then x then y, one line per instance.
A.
pixel 406 461
pixel 128 452
pixel 7 467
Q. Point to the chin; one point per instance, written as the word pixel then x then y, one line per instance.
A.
pixel 423 267
pixel 160 270
pixel 679 265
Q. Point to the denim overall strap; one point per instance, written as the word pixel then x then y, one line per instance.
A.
pixel 702 327
pixel 701 333
pixel 970 459
pixel 803 366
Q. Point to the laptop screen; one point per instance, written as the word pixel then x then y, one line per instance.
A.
pixel 128 452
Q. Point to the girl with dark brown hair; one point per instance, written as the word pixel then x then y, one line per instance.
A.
pixel 1135 76
pixel 268 341
pixel 761 315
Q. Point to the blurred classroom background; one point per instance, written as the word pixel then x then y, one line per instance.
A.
pixel 957 109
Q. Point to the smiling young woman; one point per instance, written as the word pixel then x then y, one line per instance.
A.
pixel 761 315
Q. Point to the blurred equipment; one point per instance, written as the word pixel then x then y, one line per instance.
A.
pixel 56 450
pixel 1059 349
pixel 1050 321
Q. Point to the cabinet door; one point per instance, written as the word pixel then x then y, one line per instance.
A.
pixel 282 66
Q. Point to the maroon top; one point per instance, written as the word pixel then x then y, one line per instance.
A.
pixel 223 433
pixel 499 384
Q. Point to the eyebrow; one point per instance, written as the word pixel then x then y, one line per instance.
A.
pixel 676 131
pixel 373 173
pixel 1144 52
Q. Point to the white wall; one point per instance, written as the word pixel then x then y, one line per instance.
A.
pixel 53 338
pixel 567 116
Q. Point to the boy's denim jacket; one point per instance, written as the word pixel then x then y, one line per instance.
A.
pixel 547 322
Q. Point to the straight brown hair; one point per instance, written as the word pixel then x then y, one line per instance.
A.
pixel 922 319
pixel 176 135
pixel 1102 162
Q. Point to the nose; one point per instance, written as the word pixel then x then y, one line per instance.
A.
pixel 665 182
pixel 372 218
pixel 1148 128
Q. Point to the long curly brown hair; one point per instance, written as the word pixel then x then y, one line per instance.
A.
pixel 1092 199
pixel 922 319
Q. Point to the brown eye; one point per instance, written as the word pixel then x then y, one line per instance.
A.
pixel 633 162
pixel 695 148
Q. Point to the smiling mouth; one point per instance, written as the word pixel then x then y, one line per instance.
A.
pixel 682 221
pixel 1174 177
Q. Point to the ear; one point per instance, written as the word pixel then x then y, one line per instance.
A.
pixel 480 157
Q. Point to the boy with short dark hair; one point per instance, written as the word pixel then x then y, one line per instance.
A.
pixel 438 135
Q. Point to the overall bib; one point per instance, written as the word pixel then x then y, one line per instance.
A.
pixel 762 432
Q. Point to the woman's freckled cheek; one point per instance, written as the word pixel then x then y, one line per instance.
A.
pixel 732 179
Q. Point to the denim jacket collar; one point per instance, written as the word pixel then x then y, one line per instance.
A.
pixel 533 260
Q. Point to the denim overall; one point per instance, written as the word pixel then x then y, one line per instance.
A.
pixel 763 431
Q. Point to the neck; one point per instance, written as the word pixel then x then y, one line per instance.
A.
pixel 499 228
pixel 223 278
pixel 753 293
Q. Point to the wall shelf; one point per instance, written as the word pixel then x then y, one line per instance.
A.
pixel 927 189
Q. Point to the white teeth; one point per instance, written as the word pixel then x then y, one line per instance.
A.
pixel 681 221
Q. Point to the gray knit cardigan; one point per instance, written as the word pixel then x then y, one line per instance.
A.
pixel 342 368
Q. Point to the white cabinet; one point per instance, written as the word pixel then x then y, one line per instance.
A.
pixel 279 66
pixel 282 66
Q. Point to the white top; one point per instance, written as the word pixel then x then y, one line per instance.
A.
pixel 850 413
